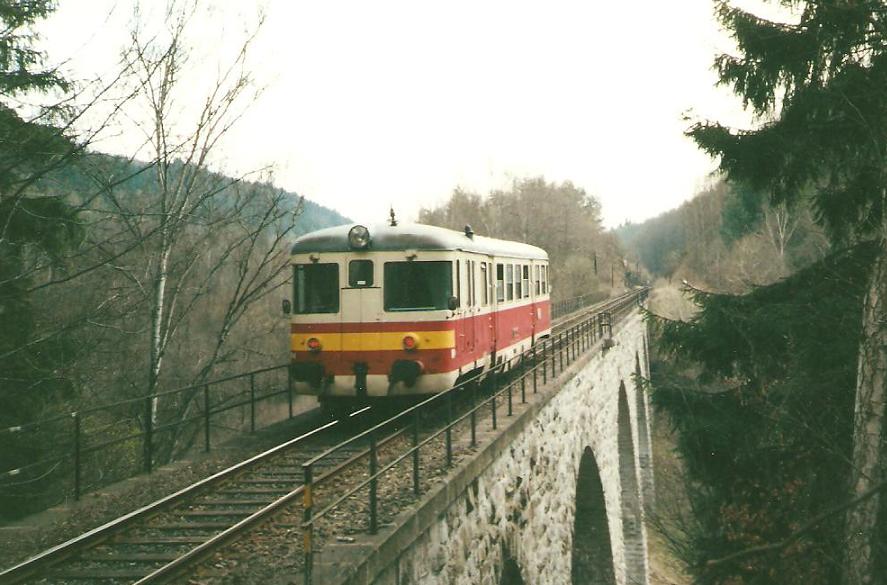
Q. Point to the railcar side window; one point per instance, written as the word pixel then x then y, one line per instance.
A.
pixel 509 281
pixel 360 273
pixel 544 279
pixel 417 286
pixel 316 288
pixel 536 278
pixel 484 283
pixel 526 281
pixel 500 282
pixel 471 300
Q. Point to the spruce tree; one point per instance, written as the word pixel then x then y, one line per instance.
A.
pixel 820 82
pixel 35 229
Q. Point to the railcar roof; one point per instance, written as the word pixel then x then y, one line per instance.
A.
pixel 414 236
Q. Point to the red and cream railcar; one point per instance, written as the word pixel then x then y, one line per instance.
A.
pixel 410 309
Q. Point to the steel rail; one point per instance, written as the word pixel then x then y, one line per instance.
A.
pixel 201 551
pixel 43 560
pixel 92 538
pixel 557 343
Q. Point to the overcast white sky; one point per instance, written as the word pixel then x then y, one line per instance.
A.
pixel 371 104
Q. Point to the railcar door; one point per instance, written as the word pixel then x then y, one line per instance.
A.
pixel 533 269
pixel 471 308
pixel 483 315
pixel 361 305
pixel 497 277
pixel 465 338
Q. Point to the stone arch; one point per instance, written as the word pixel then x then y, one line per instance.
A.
pixel 632 516
pixel 511 574
pixel 592 560
pixel 645 448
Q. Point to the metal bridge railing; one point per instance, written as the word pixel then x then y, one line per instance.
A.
pixel 547 359
pixel 96 446
pixel 567 306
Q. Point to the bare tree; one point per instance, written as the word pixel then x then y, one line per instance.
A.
pixel 780 224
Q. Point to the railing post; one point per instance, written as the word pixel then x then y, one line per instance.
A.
pixel 252 403
pixel 374 485
pixel 76 416
pixel 289 389
pixel 474 414
pixel 493 397
pixel 148 450
pixel 523 383
pixel 449 428
pixel 545 345
pixel 206 417
pixel 510 400
pixel 560 351
pixel 553 357
pixel 535 368
pixel 307 524
pixel 416 452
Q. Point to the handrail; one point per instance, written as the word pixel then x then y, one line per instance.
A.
pixel 584 334
pixel 87 437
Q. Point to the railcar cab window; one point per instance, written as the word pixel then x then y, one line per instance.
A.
pixel 360 273
pixel 526 281
pixel 509 282
pixel 316 288
pixel 417 286
pixel 500 283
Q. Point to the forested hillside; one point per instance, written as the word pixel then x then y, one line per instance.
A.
pixel 729 238
pixel 778 393
pixel 83 334
pixel 93 304
pixel 562 219
pixel 124 276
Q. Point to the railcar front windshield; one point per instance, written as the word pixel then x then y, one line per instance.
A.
pixel 316 288
pixel 418 286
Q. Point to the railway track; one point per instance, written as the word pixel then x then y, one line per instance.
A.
pixel 157 542
pixel 164 539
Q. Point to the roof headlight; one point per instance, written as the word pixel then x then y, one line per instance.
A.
pixel 359 237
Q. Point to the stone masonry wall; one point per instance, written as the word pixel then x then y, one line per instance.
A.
pixel 522 505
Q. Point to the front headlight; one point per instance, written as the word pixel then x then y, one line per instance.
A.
pixel 359 237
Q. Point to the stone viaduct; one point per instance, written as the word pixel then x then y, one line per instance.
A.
pixel 556 496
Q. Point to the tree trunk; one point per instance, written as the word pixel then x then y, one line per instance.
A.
pixel 157 316
pixel 868 429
